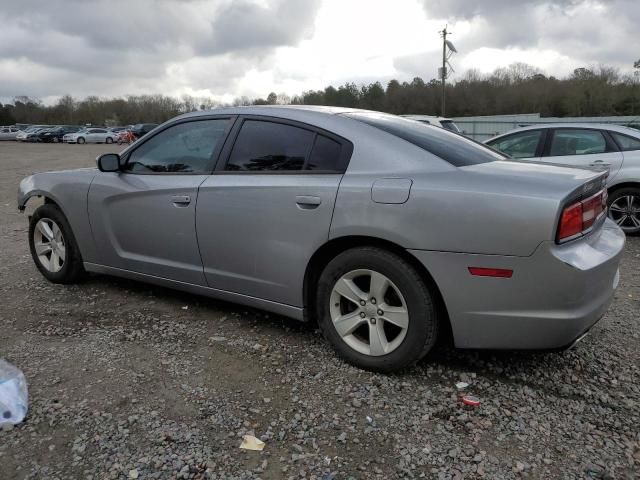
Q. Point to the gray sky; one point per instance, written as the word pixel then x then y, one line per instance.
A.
pixel 225 48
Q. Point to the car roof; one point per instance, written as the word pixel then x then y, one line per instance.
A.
pixel 599 126
pixel 282 111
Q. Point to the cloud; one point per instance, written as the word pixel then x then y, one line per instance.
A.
pixel 112 47
pixel 586 31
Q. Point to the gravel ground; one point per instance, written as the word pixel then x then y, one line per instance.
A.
pixel 129 380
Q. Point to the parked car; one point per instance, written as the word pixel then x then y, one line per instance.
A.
pixel 442 122
pixel 56 134
pixel 23 134
pixel 90 135
pixel 141 129
pixel 610 147
pixel 8 133
pixel 35 135
pixel 384 230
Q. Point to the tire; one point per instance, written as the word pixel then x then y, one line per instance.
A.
pixel 108 140
pixel 69 269
pixel 404 291
pixel 80 140
pixel 624 209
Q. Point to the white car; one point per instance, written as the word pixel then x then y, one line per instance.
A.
pixel 611 147
pixel 441 122
pixel 8 133
pixel 91 135
pixel 22 135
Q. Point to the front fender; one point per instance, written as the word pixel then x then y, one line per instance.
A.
pixel 69 191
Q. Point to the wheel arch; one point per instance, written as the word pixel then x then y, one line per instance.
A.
pixel 625 184
pixel 334 247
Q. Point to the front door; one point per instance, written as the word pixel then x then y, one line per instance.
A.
pixel 143 218
pixel 267 209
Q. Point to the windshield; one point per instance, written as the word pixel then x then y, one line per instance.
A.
pixel 450 125
pixel 451 147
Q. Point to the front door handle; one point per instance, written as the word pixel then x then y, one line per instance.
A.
pixel 599 163
pixel 181 200
pixel 308 201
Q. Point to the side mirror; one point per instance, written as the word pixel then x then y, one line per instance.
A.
pixel 108 162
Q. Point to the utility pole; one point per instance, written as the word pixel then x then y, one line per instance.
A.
pixel 444 34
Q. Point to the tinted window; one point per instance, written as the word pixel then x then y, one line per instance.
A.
pixel 626 143
pixel 270 146
pixel 451 147
pixel 325 155
pixel 568 141
pixel 186 147
pixel 518 145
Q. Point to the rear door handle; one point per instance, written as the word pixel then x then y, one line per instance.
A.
pixel 181 200
pixel 308 201
pixel 599 163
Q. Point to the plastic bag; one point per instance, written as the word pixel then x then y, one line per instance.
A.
pixel 14 398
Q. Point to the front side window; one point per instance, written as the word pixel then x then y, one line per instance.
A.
pixel 518 145
pixel 268 146
pixel 183 148
pixel 625 142
pixel 569 141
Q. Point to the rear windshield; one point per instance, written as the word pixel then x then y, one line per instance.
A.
pixel 451 147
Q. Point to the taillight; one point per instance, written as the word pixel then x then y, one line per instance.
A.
pixel 580 216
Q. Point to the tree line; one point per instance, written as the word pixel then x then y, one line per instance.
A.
pixel 518 88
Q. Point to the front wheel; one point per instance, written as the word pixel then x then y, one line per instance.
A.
pixel 624 209
pixel 81 140
pixel 375 309
pixel 53 246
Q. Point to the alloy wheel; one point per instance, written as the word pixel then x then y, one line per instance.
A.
pixel 49 245
pixel 369 312
pixel 625 211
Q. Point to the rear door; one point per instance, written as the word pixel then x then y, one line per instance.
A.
pixel 268 207
pixel 583 147
pixel 143 219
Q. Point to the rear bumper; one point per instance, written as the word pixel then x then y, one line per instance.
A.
pixel 553 297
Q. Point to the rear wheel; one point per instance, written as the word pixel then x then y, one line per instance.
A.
pixel 53 246
pixel 375 309
pixel 624 209
pixel 109 140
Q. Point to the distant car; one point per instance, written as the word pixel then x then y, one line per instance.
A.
pixel 23 134
pixel 141 129
pixel 116 129
pixel 442 122
pixel 8 133
pixel 383 230
pixel 56 134
pixel 35 135
pixel 90 135
pixel 611 147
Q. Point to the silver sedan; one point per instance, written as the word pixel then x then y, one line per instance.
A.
pixel 382 230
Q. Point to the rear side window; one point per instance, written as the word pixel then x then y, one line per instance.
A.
pixel 625 142
pixel 518 145
pixel 325 155
pixel 265 145
pixel 459 151
pixel 568 141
